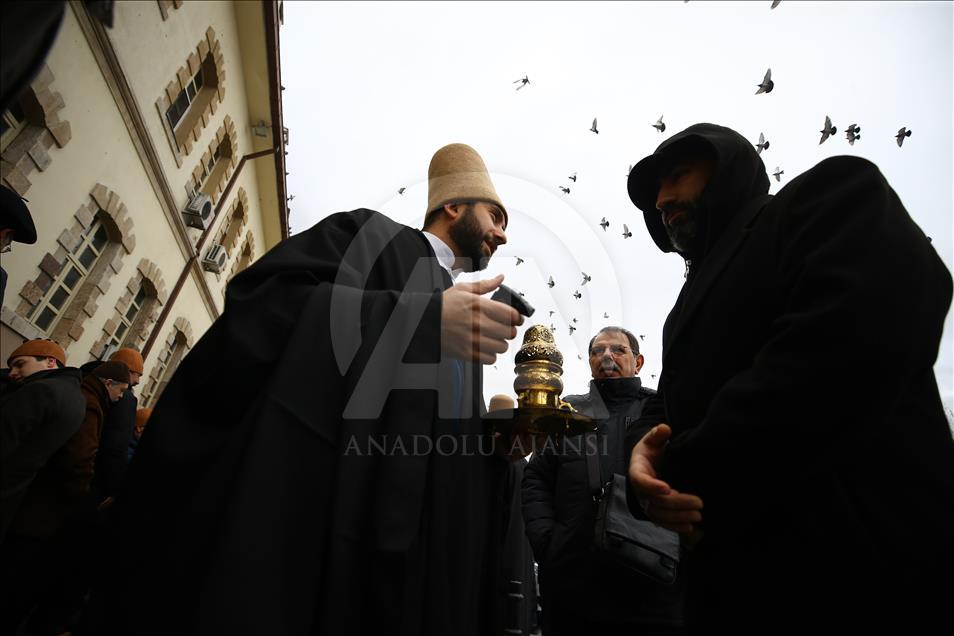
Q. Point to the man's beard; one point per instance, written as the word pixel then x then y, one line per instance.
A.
pixel 686 232
pixel 469 239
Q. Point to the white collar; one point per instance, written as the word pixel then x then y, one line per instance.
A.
pixel 445 256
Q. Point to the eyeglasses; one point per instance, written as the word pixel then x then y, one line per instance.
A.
pixel 616 350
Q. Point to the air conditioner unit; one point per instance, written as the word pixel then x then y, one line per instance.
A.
pixel 215 258
pixel 198 213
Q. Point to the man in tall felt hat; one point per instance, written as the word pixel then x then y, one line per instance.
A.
pixel 16 225
pixel 330 479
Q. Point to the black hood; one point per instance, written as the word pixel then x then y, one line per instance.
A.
pixel 739 177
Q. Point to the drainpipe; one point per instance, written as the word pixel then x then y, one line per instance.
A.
pixel 167 308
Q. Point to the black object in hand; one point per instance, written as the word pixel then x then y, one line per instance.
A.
pixel 508 296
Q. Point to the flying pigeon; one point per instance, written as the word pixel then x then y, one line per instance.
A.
pixel 565 190
pixel 572 177
pixel 586 278
pixel 659 125
pixel 579 357
pixel 577 294
pixel 572 329
pixel 778 174
pixel 593 128
pixel 575 320
pixel 552 327
pixel 852 134
pixel 767 84
pixel 630 171
pixel 904 132
pixel 642 336
pixel 519 260
pixel 827 131
pixel 551 313
pixel 626 232
pixel 762 145
pixel 653 375
pixel 291 198
pixel 523 82
pixel 605 315
pixel 550 284
pixel 775 3
pixel 604 224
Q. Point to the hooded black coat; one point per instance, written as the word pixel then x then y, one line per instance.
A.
pixel 269 495
pixel 798 380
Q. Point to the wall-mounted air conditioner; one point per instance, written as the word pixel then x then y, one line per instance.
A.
pixel 198 213
pixel 215 258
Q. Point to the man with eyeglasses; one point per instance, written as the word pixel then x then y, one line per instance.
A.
pixel 16 224
pixel 580 594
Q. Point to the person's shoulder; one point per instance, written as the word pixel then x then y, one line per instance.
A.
pixel 843 172
pixel 576 400
pixel 646 392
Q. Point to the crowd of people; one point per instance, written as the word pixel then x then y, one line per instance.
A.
pixel 796 505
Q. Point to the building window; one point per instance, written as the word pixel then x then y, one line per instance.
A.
pixel 31 127
pixel 177 346
pixel 136 311
pixel 126 321
pixel 193 96
pixel 214 168
pixel 186 96
pixel 72 277
pixel 14 121
pixel 79 263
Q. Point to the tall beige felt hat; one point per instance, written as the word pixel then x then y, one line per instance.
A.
pixel 457 174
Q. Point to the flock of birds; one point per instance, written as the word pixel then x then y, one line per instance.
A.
pixel 852 134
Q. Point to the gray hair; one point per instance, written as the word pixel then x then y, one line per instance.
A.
pixel 633 342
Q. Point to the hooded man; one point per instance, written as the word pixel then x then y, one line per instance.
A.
pixel 316 464
pixel 582 594
pixel 810 506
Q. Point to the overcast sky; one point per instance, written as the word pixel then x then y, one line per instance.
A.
pixel 373 89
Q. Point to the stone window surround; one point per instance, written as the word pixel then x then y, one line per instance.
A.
pixel 145 319
pixel 103 202
pixel 235 221
pixel 216 182
pixel 166 7
pixel 209 53
pixel 249 246
pixel 28 152
pixel 181 331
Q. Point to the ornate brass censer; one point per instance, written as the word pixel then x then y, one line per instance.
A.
pixel 538 385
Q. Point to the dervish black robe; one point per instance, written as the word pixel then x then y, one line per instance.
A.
pixel 260 501
pixel 798 381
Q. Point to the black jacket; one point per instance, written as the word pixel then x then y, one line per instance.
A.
pixel 559 513
pixel 257 500
pixel 798 380
pixel 37 417
pixel 112 457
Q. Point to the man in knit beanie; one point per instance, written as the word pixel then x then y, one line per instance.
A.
pixel 118 425
pixel 291 427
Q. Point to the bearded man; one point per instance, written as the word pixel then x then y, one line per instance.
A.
pixel 285 484
pixel 803 452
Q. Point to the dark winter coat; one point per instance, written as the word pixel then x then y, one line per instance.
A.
pixel 37 417
pixel 798 380
pixel 560 514
pixel 113 454
pixel 64 481
pixel 257 501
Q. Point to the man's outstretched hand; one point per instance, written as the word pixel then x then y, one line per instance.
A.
pixel 669 508
pixel 473 327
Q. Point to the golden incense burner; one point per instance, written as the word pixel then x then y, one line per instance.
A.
pixel 538 385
